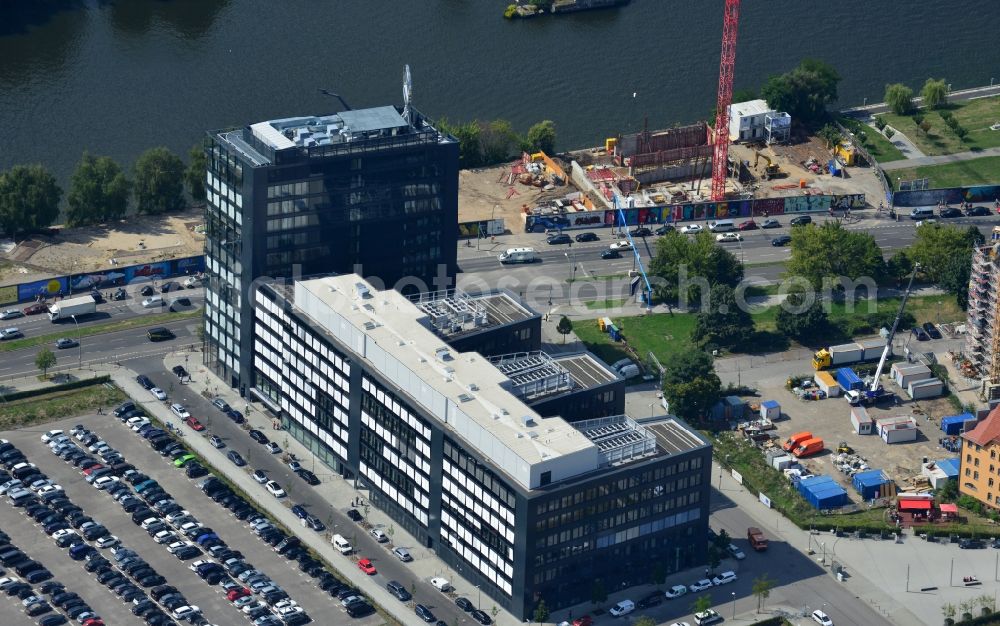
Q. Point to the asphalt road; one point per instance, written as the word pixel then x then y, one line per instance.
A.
pixel 389 568
pixel 121 347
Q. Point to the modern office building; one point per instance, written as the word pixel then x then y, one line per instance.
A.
pixel 524 506
pixel 371 191
pixel 490 323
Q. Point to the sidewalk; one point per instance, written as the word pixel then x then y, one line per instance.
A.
pixel 937 160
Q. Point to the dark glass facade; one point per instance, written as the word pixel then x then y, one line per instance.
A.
pixel 385 208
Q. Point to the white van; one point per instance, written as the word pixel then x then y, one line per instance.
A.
pixel 721 226
pixel 922 213
pixel 342 545
pixel 622 608
pixel 517 255
pixel 629 371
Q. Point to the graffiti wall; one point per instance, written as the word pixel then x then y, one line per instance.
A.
pixel 103 280
pixel 949 195
pixel 696 211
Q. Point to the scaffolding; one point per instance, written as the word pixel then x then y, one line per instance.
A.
pixel 533 374
pixel 451 311
pixel 983 335
pixel 619 438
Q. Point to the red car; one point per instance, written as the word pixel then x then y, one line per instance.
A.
pixel 235 594
pixel 35 309
pixel 748 225
pixel 195 424
pixel 585 620
pixel 93 621
pixel 365 565
pixel 90 470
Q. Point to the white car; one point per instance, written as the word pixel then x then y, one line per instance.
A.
pixel 259 476
pixel 821 618
pixel 621 245
pixel 736 552
pixel 294 465
pixel 728 237
pixel 196 564
pixel 675 592
pixel 149 521
pixel 692 229
pixel 287 611
pixel 724 579
pixel 441 584
pixel 701 585
pixel 165 536
pixel 104 482
pixel 185 612
pixel 49 436
pixel 275 489
pixel 47 489
pixel 177 545
pixel 179 410
pixel 159 394
pixel 65 532
pixel 379 535
pixel 927 221
pixel 273 448
pixel 107 542
pixel 707 617
pixel 680 624
pixel 173 517
pixel 217 442
pixel 622 608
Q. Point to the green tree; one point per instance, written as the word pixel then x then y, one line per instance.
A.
pixel 470 149
pixel 830 251
pixel 542 136
pixel 691 385
pixel 803 92
pixel 658 575
pixel 564 327
pixel 801 322
pixel 954 278
pixel 45 360
pixel 159 181
pixel 934 93
pixel 888 132
pixel 879 122
pixel 498 140
pixel 29 199
pixel 701 604
pixel 830 135
pixel 762 586
pixel 598 593
pixel 935 245
pixel 681 260
pixel 541 612
pixel 722 540
pixel 949 611
pixel 194 175
pixel 98 191
pixel 899 98
pixel 899 266
pixel 724 322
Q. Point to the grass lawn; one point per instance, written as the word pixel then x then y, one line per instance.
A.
pixel 880 148
pixel 57 405
pixel 605 304
pixel 666 335
pixel 975 116
pixel 984 170
pixel 97 329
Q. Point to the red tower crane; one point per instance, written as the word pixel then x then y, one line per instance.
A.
pixel 720 156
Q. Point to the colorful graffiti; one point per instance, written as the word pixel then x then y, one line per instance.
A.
pixel 949 195
pixel 102 280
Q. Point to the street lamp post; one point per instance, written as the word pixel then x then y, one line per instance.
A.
pixel 733 593
pixel 479 602
pixel 79 342
pixel 865 102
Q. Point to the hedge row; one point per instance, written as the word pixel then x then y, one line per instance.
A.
pixel 42 391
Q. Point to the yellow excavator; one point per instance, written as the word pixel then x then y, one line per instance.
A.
pixel 771 170
pixel 843 447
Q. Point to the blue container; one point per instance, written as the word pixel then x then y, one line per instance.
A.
pixel 870 484
pixel 848 380
pixel 615 334
pixel 954 424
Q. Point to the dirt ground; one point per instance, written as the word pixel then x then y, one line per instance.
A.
pixel 830 419
pixel 483 194
pixel 137 239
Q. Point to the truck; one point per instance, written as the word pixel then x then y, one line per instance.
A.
pixel 72 307
pixel 518 255
pixel 757 539
pixel 848 379
pixel 848 353
pixel 808 447
pixel 792 442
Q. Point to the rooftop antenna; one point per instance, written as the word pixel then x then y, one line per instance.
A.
pixel 327 92
pixel 407 94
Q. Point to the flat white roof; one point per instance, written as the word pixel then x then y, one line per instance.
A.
pixel 750 107
pixel 462 390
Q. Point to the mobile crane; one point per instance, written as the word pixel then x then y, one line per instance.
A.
pixel 875 392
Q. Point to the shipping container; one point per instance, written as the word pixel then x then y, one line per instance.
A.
pixel 848 379
pixel 770 409
pixel 956 424
pixel 862 423
pixel 826 382
pixel 782 462
pixel 897 429
pixel 872 484
pixel 922 389
pixel 903 374
pixel 872 349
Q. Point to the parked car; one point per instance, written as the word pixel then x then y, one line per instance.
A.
pixel 700 585
pixel 920 333
pixel 675 592
pixel 692 229
pixel 931 330
pixel 158 393
pixel 821 618
pixel 801 220
pixel 977 211
pixel 724 578
pixel 950 212
pixel 641 231
pixel 748 225
pixel 770 223
pixel 402 554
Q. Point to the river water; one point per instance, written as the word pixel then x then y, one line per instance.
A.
pixel 116 77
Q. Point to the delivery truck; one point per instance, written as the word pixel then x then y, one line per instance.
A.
pixel 848 353
pixel 757 539
pixel 808 447
pixel 518 255
pixel 793 442
pixel 72 307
